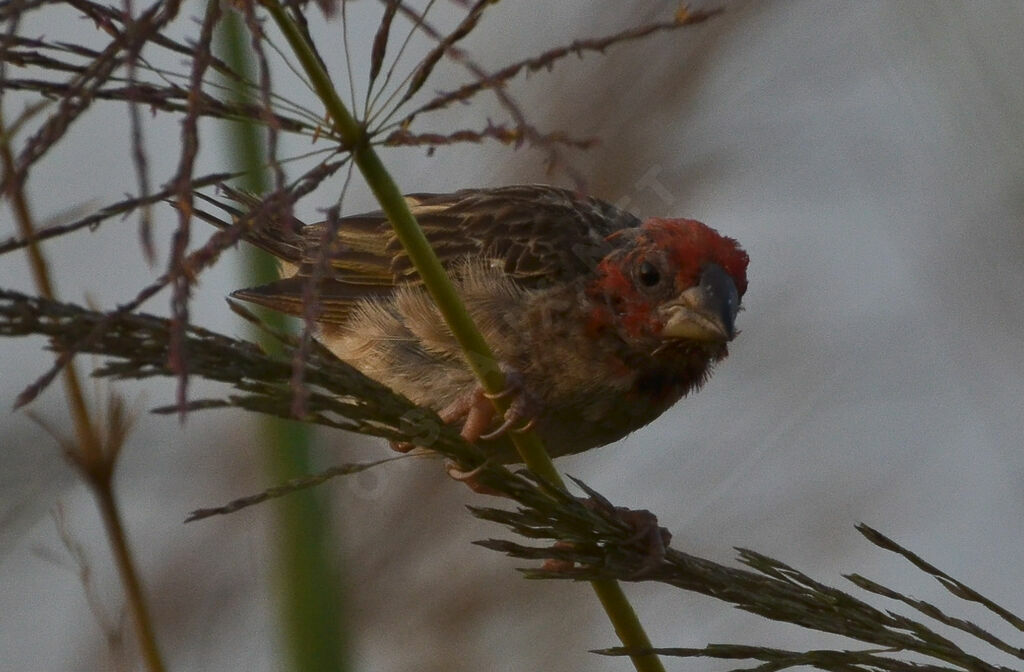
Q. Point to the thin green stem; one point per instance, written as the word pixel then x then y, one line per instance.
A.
pixel 478 354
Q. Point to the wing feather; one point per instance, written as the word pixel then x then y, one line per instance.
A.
pixel 538 235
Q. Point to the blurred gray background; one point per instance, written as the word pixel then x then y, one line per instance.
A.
pixel 868 155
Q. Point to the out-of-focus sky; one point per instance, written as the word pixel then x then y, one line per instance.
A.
pixel 869 156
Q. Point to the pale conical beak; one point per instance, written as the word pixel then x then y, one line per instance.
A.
pixel 706 312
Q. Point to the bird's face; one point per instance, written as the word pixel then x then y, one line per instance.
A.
pixel 669 283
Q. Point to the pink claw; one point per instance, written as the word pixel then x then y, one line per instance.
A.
pixel 478 412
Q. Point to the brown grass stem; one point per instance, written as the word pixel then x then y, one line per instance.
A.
pixel 94 463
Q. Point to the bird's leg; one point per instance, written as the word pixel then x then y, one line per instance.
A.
pixel 525 407
pixel 477 412
pixel 474 409
pixel 470 478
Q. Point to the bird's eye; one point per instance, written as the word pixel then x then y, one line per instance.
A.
pixel 648 275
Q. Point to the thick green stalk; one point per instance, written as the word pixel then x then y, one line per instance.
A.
pixel 309 596
pixel 478 354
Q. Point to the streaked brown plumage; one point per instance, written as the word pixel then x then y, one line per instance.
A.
pixel 609 320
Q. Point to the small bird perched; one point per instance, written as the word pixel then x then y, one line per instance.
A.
pixel 601 320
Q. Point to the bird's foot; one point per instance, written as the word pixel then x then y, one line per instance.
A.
pixel 477 412
pixel 471 478
pixel 523 410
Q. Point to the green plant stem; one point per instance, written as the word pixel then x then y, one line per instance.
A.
pixel 308 596
pixel 94 463
pixel 478 354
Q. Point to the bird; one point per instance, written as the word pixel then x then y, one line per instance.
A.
pixel 601 320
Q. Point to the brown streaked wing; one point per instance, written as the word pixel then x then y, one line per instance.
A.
pixel 540 235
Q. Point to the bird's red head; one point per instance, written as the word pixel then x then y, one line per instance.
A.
pixel 670 280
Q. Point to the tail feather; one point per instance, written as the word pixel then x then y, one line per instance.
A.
pixel 334 301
